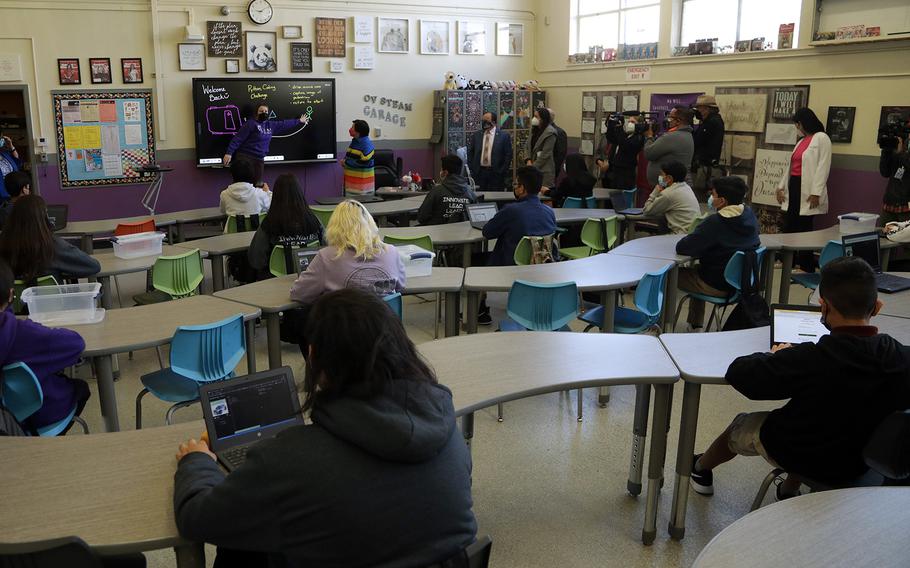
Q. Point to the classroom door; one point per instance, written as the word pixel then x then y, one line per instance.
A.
pixel 15 122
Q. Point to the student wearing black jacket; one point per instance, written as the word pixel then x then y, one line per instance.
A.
pixel 445 203
pixel 577 182
pixel 709 141
pixel 620 166
pixel 839 390
pixel 894 165
pixel 382 477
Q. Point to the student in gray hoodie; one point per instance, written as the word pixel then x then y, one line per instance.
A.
pixel 446 201
pixel 673 199
pixel 242 197
pixel 381 478
pixel 676 144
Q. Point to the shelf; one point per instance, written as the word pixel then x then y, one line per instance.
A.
pixel 876 39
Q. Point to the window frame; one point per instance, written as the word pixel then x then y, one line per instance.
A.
pixel 575 22
pixel 739 20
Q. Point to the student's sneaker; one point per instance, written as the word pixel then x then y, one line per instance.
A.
pixel 701 481
pixel 483 317
pixel 781 496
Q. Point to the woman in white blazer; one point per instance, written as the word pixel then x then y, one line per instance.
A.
pixel 803 191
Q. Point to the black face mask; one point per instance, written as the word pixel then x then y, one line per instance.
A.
pixel 487 125
pixel 824 321
pixel 262 116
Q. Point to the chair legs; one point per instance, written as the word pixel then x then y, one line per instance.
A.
pixel 438 315
pixel 82 423
pixel 499 410
pixel 581 400
pixel 160 357
pixel 117 287
pixel 763 489
pixel 141 394
pixel 679 308
pixel 170 411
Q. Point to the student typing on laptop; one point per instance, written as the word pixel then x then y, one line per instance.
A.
pixel 840 389
pixel 381 477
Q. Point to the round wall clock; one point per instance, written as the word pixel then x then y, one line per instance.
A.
pixel 260 11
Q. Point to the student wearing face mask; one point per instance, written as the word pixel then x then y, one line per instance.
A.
pixel 359 176
pixel 618 154
pixel 673 199
pixel 675 144
pixel 542 145
pixel 490 155
pixel 251 143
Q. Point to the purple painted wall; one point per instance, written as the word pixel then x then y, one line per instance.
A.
pixel 851 191
pixel 189 187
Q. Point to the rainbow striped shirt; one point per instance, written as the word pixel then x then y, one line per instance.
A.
pixel 358 167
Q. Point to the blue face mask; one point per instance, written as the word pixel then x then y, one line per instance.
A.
pixel 711 202
pixel 662 182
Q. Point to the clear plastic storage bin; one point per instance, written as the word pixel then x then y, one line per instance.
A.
pixel 138 245
pixel 67 304
pixel 853 223
pixel 417 261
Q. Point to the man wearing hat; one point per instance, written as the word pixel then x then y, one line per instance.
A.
pixel 709 139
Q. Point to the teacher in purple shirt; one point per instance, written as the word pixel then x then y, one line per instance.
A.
pixel 251 143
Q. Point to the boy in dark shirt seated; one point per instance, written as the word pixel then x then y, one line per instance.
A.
pixel 840 389
pixel 446 201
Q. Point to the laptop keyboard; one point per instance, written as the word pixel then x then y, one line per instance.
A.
pixel 883 280
pixel 235 456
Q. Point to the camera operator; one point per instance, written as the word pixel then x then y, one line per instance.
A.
pixel 618 152
pixel 895 165
pixel 709 140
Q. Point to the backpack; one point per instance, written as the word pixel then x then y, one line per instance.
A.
pixel 9 426
pixel 542 249
pixel 752 310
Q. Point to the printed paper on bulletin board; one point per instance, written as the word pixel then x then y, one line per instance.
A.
pixel 103 138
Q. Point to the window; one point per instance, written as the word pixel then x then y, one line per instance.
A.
pixel 734 20
pixel 609 23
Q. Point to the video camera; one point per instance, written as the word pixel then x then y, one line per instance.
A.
pixel 896 129
pixel 616 119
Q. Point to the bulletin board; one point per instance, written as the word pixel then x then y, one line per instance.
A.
pixel 103 137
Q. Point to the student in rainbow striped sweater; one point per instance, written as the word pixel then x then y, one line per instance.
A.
pixel 358 162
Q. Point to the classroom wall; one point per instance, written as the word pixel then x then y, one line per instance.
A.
pixel 867 76
pixel 41 31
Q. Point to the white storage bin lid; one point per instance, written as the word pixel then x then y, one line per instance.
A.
pixel 138 237
pixel 858 216
pixel 414 252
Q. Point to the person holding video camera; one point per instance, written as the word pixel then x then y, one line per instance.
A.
pixel 709 140
pixel 895 165
pixel 618 152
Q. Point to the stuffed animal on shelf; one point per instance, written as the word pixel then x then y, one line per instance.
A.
pixel 531 85
pixel 475 84
pixel 486 86
pixel 450 81
pixel 461 82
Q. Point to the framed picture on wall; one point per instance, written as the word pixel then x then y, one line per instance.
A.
pixel 434 37
pixel 510 39
pixel 68 71
pixel 191 56
pixel 292 32
pixel 302 57
pixel 394 35
pixel 472 38
pixel 232 66
pixel 840 123
pixel 100 68
pixel 132 70
pixel 260 52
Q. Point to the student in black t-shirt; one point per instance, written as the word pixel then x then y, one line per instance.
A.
pixel 840 389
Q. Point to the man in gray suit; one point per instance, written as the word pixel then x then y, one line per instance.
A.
pixel 674 145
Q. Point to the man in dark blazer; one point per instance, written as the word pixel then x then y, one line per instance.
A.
pixel 490 155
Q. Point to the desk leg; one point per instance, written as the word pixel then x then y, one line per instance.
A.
pixel 467 428
pixel 886 258
pixel 471 309
pixel 768 275
pixel 107 396
pixel 467 249
pixel 608 301
pixel 639 437
pixel 687 428
pixel 453 299
pixel 217 272
pixel 107 292
pixel 88 244
pixel 251 346
pixel 178 232
pixel 273 335
pixel 656 459
pixel 786 259
pixel 190 555
pixel 670 298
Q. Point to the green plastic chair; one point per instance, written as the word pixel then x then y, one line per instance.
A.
pixel 323 214
pixel 592 235
pixel 426 243
pixel 247 223
pixel 524 250
pixel 281 263
pixel 174 277
pixel 696 222
pixel 20 285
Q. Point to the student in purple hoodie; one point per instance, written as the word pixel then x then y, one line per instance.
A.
pixel 46 351
pixel 251 143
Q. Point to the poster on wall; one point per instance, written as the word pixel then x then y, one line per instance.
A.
pixel 330 37
pixel 224 39
pixel 302 57
pixel 363 29
pixel 472 38
pixel 743 112
pixel 770 166
pixel 394 35
pixel 434 37
pixel 510 39
pixel 839 125
pixel 786 102
pixel 892 118
pixel 664 102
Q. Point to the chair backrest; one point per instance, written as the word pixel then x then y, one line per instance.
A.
pixel 22 394
pixel 179 275
pixel 696 222
pixel 579 203
pixel 146 226
pixel 734 270
pixel 243 223
pixel 888 449
pixel 543 307
pixel 649 295
pixel 832 250
pixel 208 352
pixel 69 551
pixel 525 251
pixel 20 285
pixel 595 231
pixel 394 302
pixel 629 194
pixel 322 214
pixel 423 241
pixel 384 158
pixel 283 259
pixel 477 554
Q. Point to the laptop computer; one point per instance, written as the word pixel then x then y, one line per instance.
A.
pixel 305 257
pixel 241 411
pixel 480 213
pixel 57 216
pixel 868 247
pixel 796 324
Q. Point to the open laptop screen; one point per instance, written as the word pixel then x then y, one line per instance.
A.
pixel 481 212
pixel 796 324
pixel 865 246
pixel 246 406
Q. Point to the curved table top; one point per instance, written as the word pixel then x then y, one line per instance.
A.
pixel 397 193
pixel 496 196
pixel 112 266
pixel 897 304
pixel 102 226
pixel 568 216
pixel 441 235
pixel 664 246
pixel 598 272
pixel 816 240
pixel 383 208
pixel 221 244
pixel 832 529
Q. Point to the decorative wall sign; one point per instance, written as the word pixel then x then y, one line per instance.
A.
pixel 191 56
pixel 302 57
pixel 472 38
pixel 330 37
pixel 743 113
pixel 363 29
pixel 840 123
pixel 510 39
pixel 394 35
pixel 100 68
pixel 224 39
pixel 769 170
pixel 132 70
pixel 786 102
pixel 260 51
pixel 364 57
pixel 434 37
pixel 68 71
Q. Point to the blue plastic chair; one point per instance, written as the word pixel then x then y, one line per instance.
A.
pixel 649 299
pixel 576 202
pixel 629 194
pixel 199 354
pixel 810 280
pixel 394 302
pixel 732 274
pixel 23 396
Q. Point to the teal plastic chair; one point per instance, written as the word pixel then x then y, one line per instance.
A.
pixel 578 203
pixel 199 354
pixel 629 194
pixel 395 303
pixel 732 274
pixel 811 280
pixel 23 396
pixel 649 301
pixel 243 223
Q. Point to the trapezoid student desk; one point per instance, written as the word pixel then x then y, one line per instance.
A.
pixel 688 351
pixel 272 296
pixel 845 528
pixel 450 234
pixel 215 248
pixel 114 266
pixel 897 304
pixel 141 327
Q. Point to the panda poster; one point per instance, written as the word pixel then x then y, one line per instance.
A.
pixel 260 51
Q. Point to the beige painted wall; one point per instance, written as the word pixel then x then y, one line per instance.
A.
pixel 867 76
pixel 123 28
